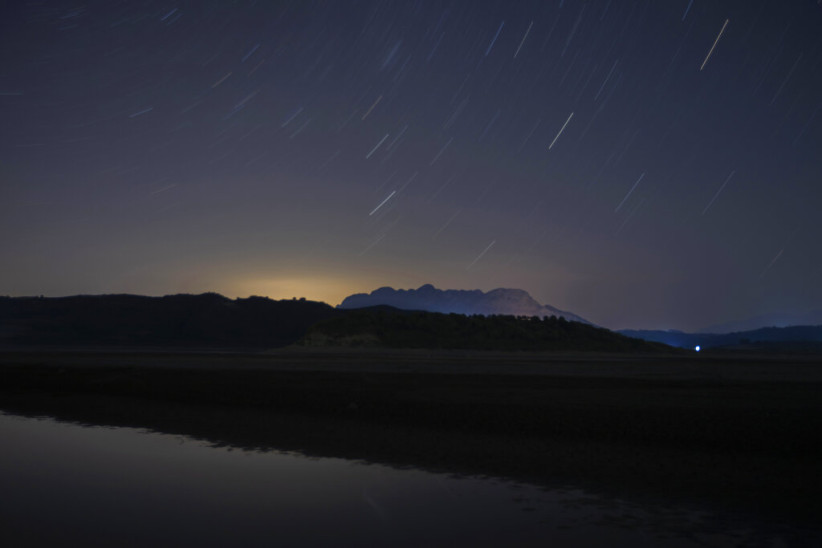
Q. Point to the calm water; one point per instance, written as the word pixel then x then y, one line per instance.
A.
pixel 63 484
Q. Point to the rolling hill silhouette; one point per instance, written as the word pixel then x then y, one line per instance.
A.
pixel 384 326
pixel 187 321
pixel 211 321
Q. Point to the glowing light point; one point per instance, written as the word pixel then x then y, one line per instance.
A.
pixel 696 348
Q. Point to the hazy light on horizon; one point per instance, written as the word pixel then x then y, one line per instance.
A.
pixel 578 151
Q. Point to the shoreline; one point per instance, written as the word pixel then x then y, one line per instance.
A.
pixel 739 443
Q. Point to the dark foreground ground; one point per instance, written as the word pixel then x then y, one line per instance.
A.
pixel 740 433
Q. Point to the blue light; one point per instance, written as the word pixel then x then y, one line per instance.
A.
pixel 696 348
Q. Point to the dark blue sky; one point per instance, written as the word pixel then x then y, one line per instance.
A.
pixel 640 163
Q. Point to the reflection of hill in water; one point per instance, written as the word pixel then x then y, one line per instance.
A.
pixel 278 491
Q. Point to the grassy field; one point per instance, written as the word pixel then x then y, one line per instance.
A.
pixel 737 432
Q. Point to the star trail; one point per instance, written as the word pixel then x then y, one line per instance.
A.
pixel 642 164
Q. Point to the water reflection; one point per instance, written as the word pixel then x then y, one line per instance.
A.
pixel 65 483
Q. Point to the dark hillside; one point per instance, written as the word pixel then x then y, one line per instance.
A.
pixel 204 321
pixel 211 321
pixel 392 328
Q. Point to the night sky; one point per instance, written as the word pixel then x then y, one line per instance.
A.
pixel 653 164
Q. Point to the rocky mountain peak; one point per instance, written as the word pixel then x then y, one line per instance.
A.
pixel 503 301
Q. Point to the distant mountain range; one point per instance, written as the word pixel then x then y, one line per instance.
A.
pixel 769 320
pixel 509 302
pixel 806 338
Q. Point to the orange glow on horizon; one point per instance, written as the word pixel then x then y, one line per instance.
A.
pixel 327 290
